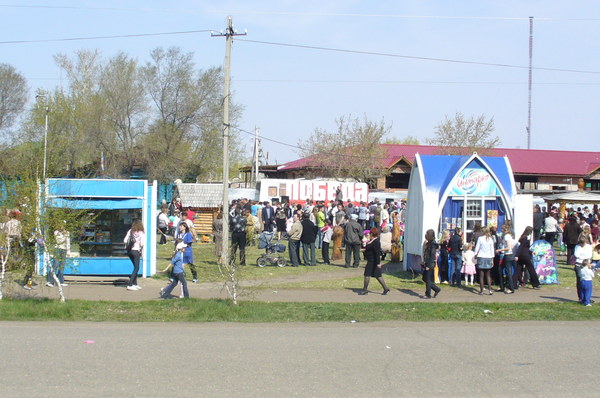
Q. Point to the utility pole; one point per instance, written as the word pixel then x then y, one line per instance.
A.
pixel 45 136
pixel 256 154
pixel 228 34
pixel 529 85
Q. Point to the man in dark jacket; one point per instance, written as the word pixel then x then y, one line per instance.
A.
pixel 308 237
pixel 268 217
pixel 237 224
pixel 538 223
pixel 571 237
pixel 353 234
pixel 456 248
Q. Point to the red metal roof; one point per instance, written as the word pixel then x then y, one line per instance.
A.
pixel 523 161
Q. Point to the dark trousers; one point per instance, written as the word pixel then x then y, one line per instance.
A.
pixel 193 271
pixel 429 283
pixel 526 263
pixel 268 226
pixel 325 252
pixel 570 253
pixel 578 284
pixel 294 246
pixel 551 237
pixel 238 240
pixel 180 277
pixel 163 237
pixel 134 256
pixel 507 265
pixel 309 254
pixel 443 273
pixel 456 275
pixel 353 249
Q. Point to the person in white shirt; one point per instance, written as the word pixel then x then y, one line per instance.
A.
pixel 587 276
pixel 136 233
pixel 485 251
pixel 583 252
pixel 550 228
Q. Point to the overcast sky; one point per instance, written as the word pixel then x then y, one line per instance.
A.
pixel 305 63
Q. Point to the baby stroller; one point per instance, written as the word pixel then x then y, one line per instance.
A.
pixel 272 251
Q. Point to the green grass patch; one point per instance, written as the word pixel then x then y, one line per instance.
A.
pixel 194 310
pixel 208 269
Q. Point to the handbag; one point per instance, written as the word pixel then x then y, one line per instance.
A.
pixel 130 242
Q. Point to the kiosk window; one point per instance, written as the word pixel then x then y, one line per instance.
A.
pixel 103 235
pixel 474 208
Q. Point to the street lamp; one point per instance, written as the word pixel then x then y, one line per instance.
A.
pixel 45 136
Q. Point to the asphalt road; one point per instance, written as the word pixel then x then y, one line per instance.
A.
pixel 525 359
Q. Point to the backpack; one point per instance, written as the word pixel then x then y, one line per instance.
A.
pixel 130 241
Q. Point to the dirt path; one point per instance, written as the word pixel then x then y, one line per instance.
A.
pixel 113 289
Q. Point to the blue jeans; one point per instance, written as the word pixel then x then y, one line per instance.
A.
pixel 293 247
pixel 508 265
pixel 586 292
pixel 319 242
pixel 456 275
pixel 180 277
pixel 312 259
pixel 134 256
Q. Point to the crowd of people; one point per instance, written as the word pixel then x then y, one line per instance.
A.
pixel 500 258
pixel 488 257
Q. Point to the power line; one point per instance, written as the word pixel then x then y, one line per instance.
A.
pixel 305 14
pixel 304 149
pixel 457 61
pixel 407 82
pixel 105 37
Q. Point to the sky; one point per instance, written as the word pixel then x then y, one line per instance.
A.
pixel 304 64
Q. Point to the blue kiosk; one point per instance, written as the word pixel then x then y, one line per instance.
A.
pixel 448 191
pixel 112 206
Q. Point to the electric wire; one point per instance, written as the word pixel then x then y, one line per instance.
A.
pixel 457 61
pixel 106 37
pixel 301 13
pixel 304 149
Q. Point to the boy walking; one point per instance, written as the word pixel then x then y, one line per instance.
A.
pixel 178 273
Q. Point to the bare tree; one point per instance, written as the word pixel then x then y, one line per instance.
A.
pixel 353 151
pixel 460 136
pixel 125 110
pixel 13 95
pixel 408 140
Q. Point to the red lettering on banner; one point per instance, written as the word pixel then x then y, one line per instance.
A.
pixel 319 191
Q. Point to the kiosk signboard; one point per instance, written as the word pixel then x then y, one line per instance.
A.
pixel 474 182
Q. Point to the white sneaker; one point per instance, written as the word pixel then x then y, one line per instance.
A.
pixel 49 284
pixel 131 288
pixel 64 284
pixel 137 287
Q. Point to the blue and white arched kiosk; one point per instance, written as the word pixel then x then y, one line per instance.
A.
pixel 447 191
pixel 112 206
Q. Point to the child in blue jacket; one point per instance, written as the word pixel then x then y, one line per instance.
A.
pixel 178 273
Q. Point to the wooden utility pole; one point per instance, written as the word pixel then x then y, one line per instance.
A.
pixel 228 34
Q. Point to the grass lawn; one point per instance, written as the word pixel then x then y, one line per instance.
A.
pixel 195 310
pixel 205 260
